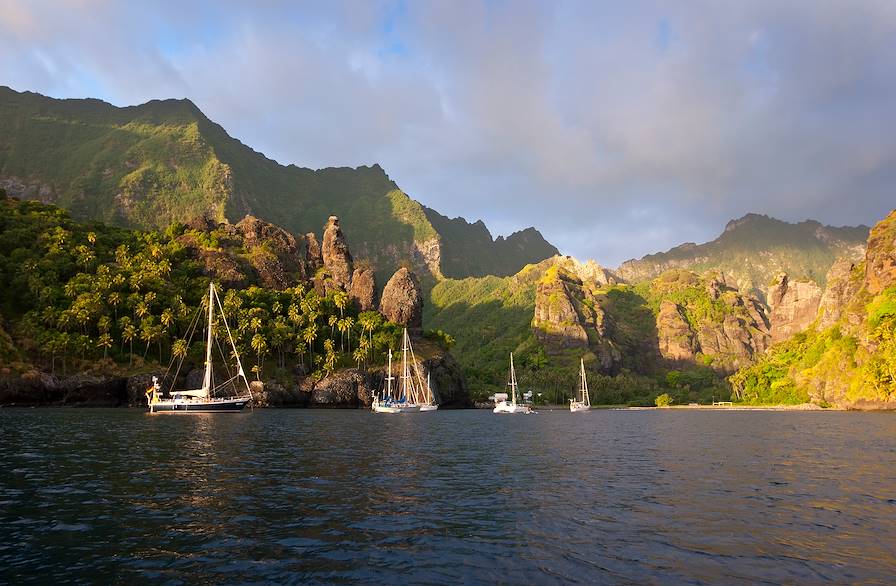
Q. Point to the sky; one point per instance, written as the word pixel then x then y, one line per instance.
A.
pixel 616 128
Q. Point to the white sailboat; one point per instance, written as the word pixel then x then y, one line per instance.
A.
pixel 582 402
pixel 501 404
pixel 205 399
pixel 411 395
pixel 429 404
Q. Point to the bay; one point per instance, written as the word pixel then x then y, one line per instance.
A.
pixel 340 496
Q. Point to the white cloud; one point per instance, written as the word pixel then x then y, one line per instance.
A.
pixel 573 117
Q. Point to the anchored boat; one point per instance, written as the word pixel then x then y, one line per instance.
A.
pixel 582 402
pixel 212 397
pixel 411 395
pixel 501 404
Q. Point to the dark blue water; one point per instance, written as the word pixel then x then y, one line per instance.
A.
pixel 465 496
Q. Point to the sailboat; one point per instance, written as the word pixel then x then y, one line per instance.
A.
pixel 582 402
pixel 206 398
pixel 501 404
pixel 411 395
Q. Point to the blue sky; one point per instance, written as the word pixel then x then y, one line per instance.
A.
pixel 617 129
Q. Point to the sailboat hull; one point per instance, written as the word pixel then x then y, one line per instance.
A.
pixel 505 407
pixel 575 406
pixel 212 406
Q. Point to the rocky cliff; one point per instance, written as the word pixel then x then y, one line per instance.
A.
pixel 678 318
pixel 847 355
pixel 793 304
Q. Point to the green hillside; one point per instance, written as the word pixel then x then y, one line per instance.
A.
pixel 756 248
pixel 490 317
pixel 150 165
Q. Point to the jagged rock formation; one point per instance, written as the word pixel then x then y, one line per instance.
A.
pixel 336 256
pixel 793 305
pixel 250 251
pixel 676 339
pixel 363 289
pixel 716 321
pixel 273 251
pixel 402 300
pixel 680 318
pixel 568 315
pixel 314 259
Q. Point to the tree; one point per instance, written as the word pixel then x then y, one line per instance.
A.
pixel 340 298
pixel 179 349
pixel 104 342
pixel 663 400
pixel 260 345
pixel 309 334
pixel 128 333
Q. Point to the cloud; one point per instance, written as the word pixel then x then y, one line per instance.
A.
pixel 618 129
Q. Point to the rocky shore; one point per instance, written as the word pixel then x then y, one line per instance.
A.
pixel 348 388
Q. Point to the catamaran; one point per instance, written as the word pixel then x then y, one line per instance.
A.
pixel 501 404
pixel 210 397
pixel 411 395
pixel 583 403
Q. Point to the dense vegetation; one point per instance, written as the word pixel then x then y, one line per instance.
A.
pixel 150 165
pixel 91 296
pixel 826 366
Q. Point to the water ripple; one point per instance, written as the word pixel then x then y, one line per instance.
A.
pixel 450 497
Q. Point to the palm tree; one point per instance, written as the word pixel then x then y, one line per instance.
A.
pixel 330 360
pixel 114 299
pixel 309 334
pixel 179 349
pixel 104 342
pixel 128 333
pixel 340 298
pixel 260 345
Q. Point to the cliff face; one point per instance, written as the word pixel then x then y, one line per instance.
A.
pixel 676 319
pixel 841 289
pixel 703 318
pixel 794 305
pixel 847 356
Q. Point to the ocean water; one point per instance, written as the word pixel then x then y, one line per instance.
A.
pixel 337 496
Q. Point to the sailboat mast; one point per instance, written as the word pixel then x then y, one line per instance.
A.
pixel 512 379
pixel 389 377
pixel 207 382
pixel 587 397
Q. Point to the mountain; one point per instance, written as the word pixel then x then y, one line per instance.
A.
pixel 755 249
pixel 164 161
pixel 847 356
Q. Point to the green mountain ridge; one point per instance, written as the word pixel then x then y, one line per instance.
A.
pixel 164 161
pixel 754 249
